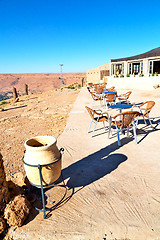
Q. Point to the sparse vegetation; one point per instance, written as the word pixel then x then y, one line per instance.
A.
pixel 156 74
pixel 2 103
pixel 141 75
pixel 74 86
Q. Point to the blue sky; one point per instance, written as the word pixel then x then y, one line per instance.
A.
pixel 37 35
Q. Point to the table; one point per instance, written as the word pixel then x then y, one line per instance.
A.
pixel 109 92
pixel 121 106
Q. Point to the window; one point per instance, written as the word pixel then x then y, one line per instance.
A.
pixel 150 66
pixel 130 68
pixel 141 67
pixel 123 68
pixel 136 68
pixel 113 69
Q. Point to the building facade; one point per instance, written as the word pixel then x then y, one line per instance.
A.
pixel 145 64
pixel 97 74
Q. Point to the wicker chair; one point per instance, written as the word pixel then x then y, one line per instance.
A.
pixel 144 112
pixel 99 90
pixel 110 98
pixel 95 98
pixel 97 117
pixel 90 84
pixel 88 88
pixel 111 89
pixel 126 122
pixel 125 96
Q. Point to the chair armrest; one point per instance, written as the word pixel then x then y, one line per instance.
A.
pixel 116 115
pixel 142 104
pixel 97 112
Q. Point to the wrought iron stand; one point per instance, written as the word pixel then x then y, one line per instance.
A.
pixel 42 186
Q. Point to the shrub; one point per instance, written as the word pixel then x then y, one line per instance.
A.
pixel 122 76
pixel 141 75
pixel 152 74
pixel 2 103
pixel 128 75
pixel 156 74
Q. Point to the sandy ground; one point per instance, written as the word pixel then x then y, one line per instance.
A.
pixel 37 114
pixel 37 82
pixel 113 193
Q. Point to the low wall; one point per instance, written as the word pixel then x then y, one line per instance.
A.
pixel 145 83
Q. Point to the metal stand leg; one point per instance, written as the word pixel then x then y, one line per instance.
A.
pixel 47 185
pixel 42 192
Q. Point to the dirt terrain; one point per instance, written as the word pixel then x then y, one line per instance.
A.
pixel 36 82
pixel 43 113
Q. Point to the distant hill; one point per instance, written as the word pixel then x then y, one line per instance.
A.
pixel 36 81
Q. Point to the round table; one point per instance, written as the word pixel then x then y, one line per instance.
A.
pixel 121 106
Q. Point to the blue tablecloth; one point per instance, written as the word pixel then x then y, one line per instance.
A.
pixel 109 92
pixel 121 106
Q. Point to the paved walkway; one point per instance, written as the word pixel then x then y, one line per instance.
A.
pixel 114 191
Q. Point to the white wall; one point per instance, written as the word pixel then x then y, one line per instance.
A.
pixel 145 83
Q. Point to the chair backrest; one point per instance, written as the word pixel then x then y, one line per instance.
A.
pixel 111 89
pixel 110 97
pixel 127 118
pixel 90 84
pixel 103 85
pixel 91 112
pixel 94 96
pixel 95 85
pixel 127 94
pixel 99 90
pixel 149 106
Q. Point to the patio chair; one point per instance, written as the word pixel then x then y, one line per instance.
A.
pixel 127 120
pixel 103 85
pixel 110 98
pixel 96 117
pixel 125 96
pixel 90 84
pixel 95 98
pixel 99 90
pixel 88 88
pixel 144 112
pixel 111 89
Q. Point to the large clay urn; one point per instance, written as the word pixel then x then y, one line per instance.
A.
pixel 42 150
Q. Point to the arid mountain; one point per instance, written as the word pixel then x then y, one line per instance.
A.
pixel 36 82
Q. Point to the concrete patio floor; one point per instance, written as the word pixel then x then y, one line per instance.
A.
pixel 114 192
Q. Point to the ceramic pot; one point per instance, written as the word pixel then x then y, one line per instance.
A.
pixel 42 150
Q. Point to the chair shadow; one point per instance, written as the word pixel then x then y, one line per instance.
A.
pixel 89 170
pixel 147 129
pixel 93 167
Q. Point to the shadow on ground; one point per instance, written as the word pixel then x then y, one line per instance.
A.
pixel 82 173
pixel 15 108
pixel 92 168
